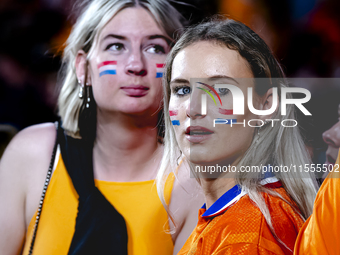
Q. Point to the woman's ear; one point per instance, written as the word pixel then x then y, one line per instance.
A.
pixel 267 101
pixel 81 68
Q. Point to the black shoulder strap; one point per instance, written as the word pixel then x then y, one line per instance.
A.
pixel 42 198
pixel 99 229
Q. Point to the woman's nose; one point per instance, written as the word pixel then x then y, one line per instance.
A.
pixel 135 64
pixel 194 105
pixel 332 135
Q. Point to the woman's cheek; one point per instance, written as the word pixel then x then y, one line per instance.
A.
pixel 107 66
pixel 159 69
pixel 173 112
pixel 176 112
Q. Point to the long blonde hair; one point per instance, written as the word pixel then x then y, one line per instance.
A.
pixel 279 145
pixel 94 16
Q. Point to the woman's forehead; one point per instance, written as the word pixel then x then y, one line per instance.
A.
pixel 204 59
pixel 132 22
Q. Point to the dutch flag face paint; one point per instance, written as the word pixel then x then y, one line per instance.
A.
pixel 159 70
pixel 224 121
pixel 175 122
pixel 107 67
pixel 173 113
pixel 225 111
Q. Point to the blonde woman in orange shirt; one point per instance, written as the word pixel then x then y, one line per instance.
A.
pixel 96 195
pixel 245 212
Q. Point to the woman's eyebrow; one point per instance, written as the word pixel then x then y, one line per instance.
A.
pixel 221 77
pixel 179 80
pixel 151 37
pixel 114 36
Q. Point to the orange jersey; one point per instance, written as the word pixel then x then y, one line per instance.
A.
pixel 242 229
pixel 321 232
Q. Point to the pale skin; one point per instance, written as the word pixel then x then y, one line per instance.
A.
pixel 226 145
pixel 136 148
pixel 332 138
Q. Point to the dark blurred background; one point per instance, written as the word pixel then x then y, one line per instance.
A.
pixel 303 34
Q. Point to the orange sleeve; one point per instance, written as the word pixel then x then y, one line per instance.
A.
pixel 321 232
pixel 243 249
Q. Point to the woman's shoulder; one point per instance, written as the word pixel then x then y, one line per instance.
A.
pixel 283 209
pixel 242 217
pixel 245 214
pixel 35 133
pixel 319 234
pixel 31 144
pixel 244 224
pixel 241 229
pixel 27 157
pixel 24 165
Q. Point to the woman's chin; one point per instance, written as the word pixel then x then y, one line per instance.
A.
pixel 201 160
pixel 140 110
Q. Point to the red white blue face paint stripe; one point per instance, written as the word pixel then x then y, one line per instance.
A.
pixel 234 195
pixel 224 121
pixel 107 67
pixel 225 111
pixel 159 70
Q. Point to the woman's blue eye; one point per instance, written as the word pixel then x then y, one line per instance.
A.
pixel 182 91
pixel 156 49
pixel 222 91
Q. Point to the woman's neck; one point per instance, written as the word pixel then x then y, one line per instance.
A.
pixel 213 189
pixel 126 148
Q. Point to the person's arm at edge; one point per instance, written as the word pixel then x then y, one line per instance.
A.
pixel 319 234
pixel 23 167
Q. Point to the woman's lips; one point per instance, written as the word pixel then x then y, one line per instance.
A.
pixel 197 134
pixel 135 90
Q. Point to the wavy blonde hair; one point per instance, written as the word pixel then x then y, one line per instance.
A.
pixel 93 17
pixel 278 145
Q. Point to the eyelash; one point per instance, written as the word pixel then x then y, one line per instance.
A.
pixel 218 92
pixel 157 47
pixel 222 93
pixel 114 44
pixel 176 89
